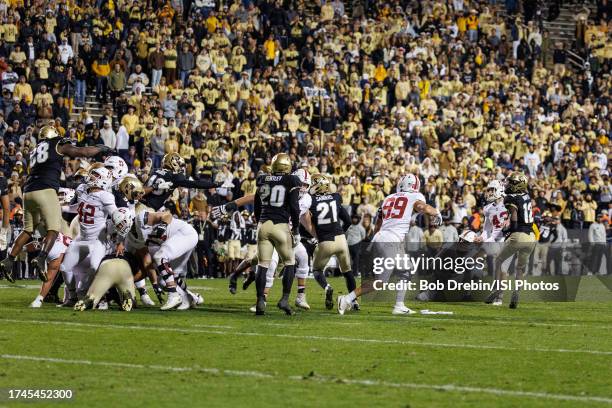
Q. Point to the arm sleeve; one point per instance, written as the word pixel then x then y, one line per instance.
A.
pixel 185 182
pixel 257 210
pixel 294 206
pixel 3 187
pixel 344 216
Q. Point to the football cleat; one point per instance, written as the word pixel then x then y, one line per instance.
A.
pixel 329 298
pixel 283 305
pixel 344 304
pixel 84 304
pixel 173 300
pixel 497 302
pixel 67 303
pixel 254 307
pixel 6 269
pixel 301 302
pixel 39 266
pixel 514 300
pixel 402 310
pixel 146 300
pixel 102 305
pixel 249 279
pixel 260 306
pixel 185 303
pixel 493 296
pixel 195 299
pixel 36 303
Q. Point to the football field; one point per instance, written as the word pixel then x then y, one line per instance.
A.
pixel 540 355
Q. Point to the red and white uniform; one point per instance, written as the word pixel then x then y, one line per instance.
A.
pixel 496 216
pixel 60 246
pixel 396 212
pixel 180 241
pixel 89 247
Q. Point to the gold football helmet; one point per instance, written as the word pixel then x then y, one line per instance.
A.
pixel 131 188
pixel 320 184
pixel 517 183
pixel 173 162
pixel 48 132
pixel 281 164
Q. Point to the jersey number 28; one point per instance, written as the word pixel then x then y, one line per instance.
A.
pixel 40 154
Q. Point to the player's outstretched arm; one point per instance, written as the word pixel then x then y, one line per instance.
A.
pixel 88 151
pixel 220 210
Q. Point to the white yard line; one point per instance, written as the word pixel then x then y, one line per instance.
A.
pixel 320 379
pixel 312 337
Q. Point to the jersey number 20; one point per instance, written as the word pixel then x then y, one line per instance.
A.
pixel 274 196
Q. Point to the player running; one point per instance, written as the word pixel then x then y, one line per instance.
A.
pixel 40 196
pixel 495 212
pixel 521 238
pixel 277 204
pixel 393 223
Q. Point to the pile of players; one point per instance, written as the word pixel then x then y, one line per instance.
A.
pixel 120 234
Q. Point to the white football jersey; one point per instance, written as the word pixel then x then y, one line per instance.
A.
pixel 396 212
pixel 93 209
pixel 137 237
pixel 305 202
pixel 496 216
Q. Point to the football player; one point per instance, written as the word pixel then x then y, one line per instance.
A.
pixel 94 204
pixel 521 238
pixel 392 224
pixel 40 195
pixel 495 212
pixel 113 272
pixel 5 229
pixel 301 257
pixel 172 174
pixel 171 242
pixel 323 222
pixel 276 204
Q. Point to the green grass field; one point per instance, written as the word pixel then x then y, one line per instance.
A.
pixel 540 355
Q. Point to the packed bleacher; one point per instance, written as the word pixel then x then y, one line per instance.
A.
pixel 459 92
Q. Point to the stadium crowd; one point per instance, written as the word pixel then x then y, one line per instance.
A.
pixel 458 92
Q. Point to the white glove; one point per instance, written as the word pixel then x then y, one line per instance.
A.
pixel 163 185
pixel 436 220
pixel 218 212
pixel 5 235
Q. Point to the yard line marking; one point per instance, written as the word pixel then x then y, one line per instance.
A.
pixel 320 379
pixel 213 326
pixel 310 337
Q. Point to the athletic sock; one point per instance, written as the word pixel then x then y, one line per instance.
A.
pixel 399 297
pixel 288 275
pixel 181 282
pixel 351 284
pixel 142 291
pixel 171 290
pixel 352 296
pixel 260 280
pixel 301 289
pixel 321 279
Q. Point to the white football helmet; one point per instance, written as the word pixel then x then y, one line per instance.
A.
pixel 65 195
pixel 467 236
pixel 123 219
pixel 304 176
pixel 117 167
pixel 409 184
pixel 494 191
pixel 100 177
